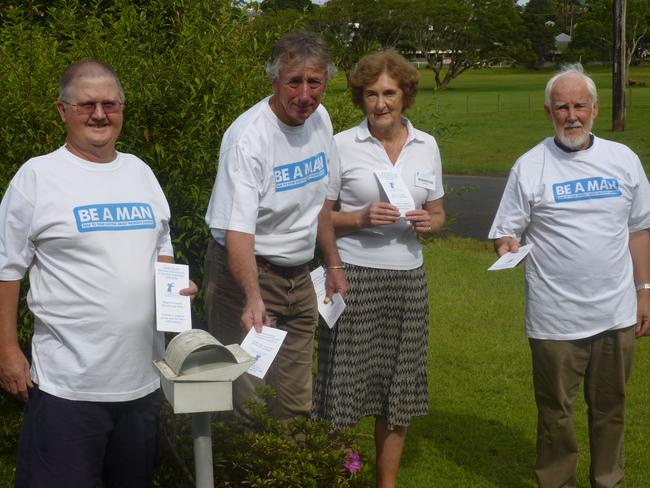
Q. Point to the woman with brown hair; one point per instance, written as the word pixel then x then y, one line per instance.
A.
pixel 373 362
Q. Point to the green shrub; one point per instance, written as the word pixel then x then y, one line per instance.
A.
pixel 263 453
pixel 11 413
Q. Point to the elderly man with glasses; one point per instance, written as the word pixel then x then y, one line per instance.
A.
pixel 88 223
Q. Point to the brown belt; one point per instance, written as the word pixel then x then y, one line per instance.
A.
pixel 284 271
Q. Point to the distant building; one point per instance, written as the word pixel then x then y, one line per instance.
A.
pixel 562 41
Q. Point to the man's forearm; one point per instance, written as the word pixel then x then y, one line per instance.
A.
pixel 14 368
pixel 240 249
pixel 325 238
pixel 9 294
pixel 166 259
pixel 640 252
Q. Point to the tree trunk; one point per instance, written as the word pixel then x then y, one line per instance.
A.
pixel 619 71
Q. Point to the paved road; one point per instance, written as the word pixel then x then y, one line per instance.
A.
pixel 472 202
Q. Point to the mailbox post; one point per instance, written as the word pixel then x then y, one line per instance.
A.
pixel 196 375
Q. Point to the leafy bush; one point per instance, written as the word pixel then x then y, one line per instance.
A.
pixel 11 415
pixel 264 453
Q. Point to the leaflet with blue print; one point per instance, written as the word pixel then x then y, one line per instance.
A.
pixel 173 311
pixel 263 346
pixel 301 173
pixel 586 189
pixel 114 216
pixel 396 190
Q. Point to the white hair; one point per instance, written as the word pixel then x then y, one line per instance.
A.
pixel 571 70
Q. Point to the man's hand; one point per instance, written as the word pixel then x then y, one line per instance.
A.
pixel 643 313
pixel 640 252
pixel 504 245
pixel 254 315
pixel 14 368
pixel 190 291
pixel 14 371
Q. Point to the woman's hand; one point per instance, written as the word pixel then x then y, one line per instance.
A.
pixel 380 213
pixel 429 219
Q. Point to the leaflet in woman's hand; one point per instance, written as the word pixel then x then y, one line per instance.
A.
pixel 330 309
pixel 396 190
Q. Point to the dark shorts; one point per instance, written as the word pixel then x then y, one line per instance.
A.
pixel 74 444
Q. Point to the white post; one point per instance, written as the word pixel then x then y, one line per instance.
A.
pixel 202 450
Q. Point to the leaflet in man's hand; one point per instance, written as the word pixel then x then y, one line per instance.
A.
pixel 263 346
pixel 173 311
pixel 511 259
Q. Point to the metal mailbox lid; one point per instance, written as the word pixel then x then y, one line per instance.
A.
pixel 195 355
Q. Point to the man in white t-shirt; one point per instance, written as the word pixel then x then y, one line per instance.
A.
pixel 88 223
pixel 271 191
pixel 584 203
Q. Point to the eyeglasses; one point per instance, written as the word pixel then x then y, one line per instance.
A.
pixel 88 108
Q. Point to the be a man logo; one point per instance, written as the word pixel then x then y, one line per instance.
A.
pixel 586 189
pixel 301 173
pixel 114 216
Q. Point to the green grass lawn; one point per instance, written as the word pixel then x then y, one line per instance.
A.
pixel 480 432
pixel 488 118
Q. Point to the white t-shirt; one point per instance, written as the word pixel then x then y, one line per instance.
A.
pixel 578 208
pixel 89 234
pixel 272 182
pixel 392 246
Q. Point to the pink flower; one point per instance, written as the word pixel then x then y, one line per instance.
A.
pixel 352 462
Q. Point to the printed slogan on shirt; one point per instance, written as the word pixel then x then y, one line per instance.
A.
pixel 301 173
pixel 586 189
pixel 114 216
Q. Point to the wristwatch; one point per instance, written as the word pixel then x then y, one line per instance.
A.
pixel 643 286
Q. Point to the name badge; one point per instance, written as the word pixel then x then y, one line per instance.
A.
pixel 425 180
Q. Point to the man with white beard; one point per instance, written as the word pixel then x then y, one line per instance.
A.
pixel 584 202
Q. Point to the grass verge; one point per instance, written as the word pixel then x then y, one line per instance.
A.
pixel 480 432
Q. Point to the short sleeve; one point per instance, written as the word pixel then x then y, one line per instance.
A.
pixel 334 182
pixel 16 246
pixel 639 218
pixel 513 214
pixel 439 189
pixel 235 196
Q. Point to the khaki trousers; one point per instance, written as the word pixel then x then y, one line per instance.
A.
pixel 291 304
pixel 604 362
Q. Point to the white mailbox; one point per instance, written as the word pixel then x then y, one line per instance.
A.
pixel 197 372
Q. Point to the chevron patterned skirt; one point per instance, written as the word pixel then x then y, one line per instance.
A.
pixel 374 361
